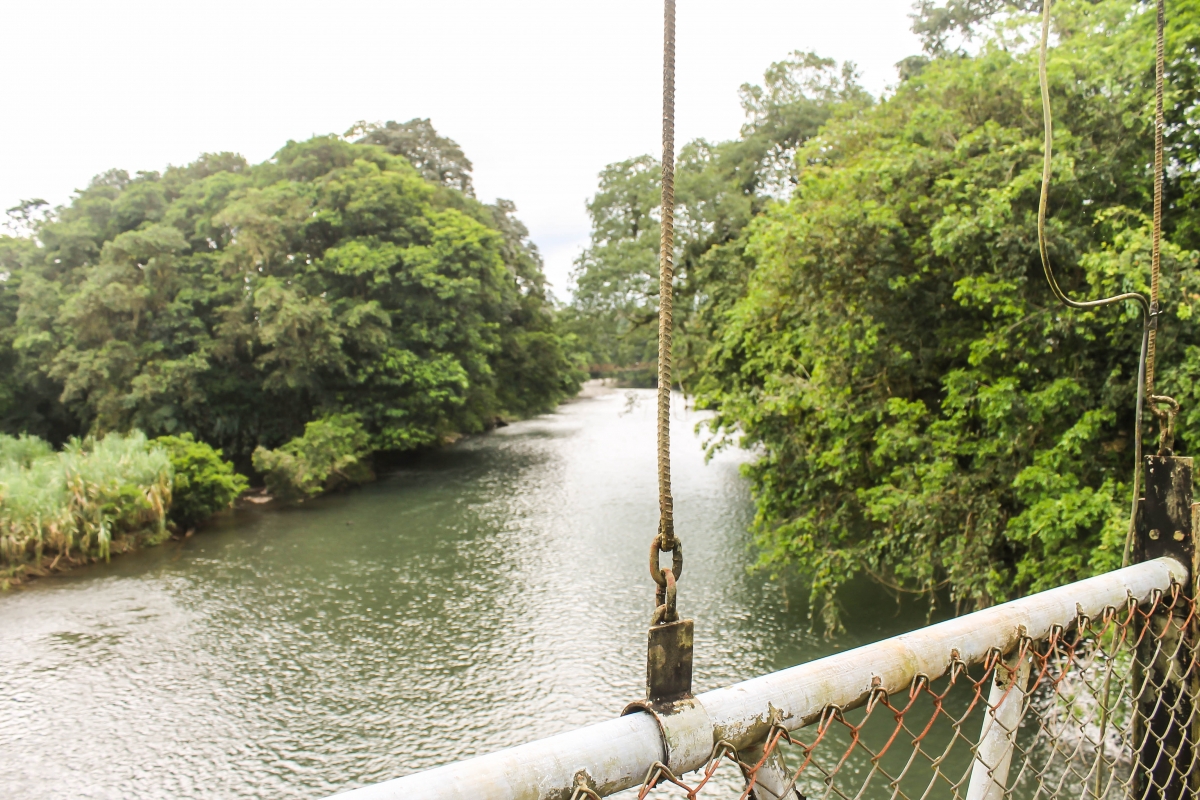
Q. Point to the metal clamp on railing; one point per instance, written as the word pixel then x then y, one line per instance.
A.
pixel 685 726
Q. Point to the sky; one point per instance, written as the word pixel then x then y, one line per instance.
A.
pixel 541 94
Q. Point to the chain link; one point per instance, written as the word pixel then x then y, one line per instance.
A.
pixel 583 791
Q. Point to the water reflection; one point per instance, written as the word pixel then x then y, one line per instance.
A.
pixel 494 592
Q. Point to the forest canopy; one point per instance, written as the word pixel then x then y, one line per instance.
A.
pixel 861 299
pixel 240 302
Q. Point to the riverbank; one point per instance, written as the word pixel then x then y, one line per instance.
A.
pixel 100 498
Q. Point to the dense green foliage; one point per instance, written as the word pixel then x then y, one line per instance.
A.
pixel 93 497
pixel 239 303
pixel 98 496
pixel 438 159
pixel 333 453
pixel 204 483
pixel 926 413
pixel 719 189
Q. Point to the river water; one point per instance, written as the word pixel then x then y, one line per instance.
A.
pixel 487 594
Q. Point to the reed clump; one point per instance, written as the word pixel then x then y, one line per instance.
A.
pixel 94 497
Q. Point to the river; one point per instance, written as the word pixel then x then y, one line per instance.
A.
pixel 486 594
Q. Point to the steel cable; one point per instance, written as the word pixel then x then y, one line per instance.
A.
pixel 666 541
pixel 1149 308
pixel 1156 246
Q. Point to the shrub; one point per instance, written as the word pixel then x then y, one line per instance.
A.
pixel 204 483
pixel 332 453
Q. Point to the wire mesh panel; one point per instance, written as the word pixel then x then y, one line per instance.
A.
pixel 1101 708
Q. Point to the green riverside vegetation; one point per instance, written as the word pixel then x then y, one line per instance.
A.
pixel 346 297
pixel 239 302
pixel 95 497
pixel 99 496
pixel 203 482
pixel 333 452
pixel 861 300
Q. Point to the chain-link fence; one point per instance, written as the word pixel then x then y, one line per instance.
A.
pixel 1084 691
pixel 1100 708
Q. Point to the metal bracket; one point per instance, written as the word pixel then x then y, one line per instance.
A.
pixel 669 661
pixel 1164 524
pixel 687 731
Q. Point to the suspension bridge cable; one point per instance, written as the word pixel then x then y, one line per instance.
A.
pixel 1156 246
pixel 666 540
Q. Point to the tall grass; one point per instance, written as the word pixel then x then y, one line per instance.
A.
pixel 81 502
pixel 23 450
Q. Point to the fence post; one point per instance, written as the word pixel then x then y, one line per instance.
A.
pixel 1164 729
pixel 1001 718
pixel 772 779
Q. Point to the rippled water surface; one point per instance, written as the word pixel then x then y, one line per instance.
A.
pixel 490 593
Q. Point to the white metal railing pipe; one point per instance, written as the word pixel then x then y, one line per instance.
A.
pixel 741 713
pixel 616 755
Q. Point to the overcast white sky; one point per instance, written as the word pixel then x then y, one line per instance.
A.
pixel 541 94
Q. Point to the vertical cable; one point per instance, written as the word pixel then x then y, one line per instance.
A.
pixel 666 274
pixel 1156 251
pixel 1149 310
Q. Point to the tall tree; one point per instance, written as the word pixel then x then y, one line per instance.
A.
pixel 926 412
pixel 241 302
pixel 938 24
pixel 719 189
pixel 439 159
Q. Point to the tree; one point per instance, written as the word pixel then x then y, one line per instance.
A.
pixel 719 189
pixel 239 303
pixel 438 159
pixel 928 414
pixel 936 24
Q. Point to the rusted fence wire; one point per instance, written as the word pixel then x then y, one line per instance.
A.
pixel 1083 691
pixel 1101 708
